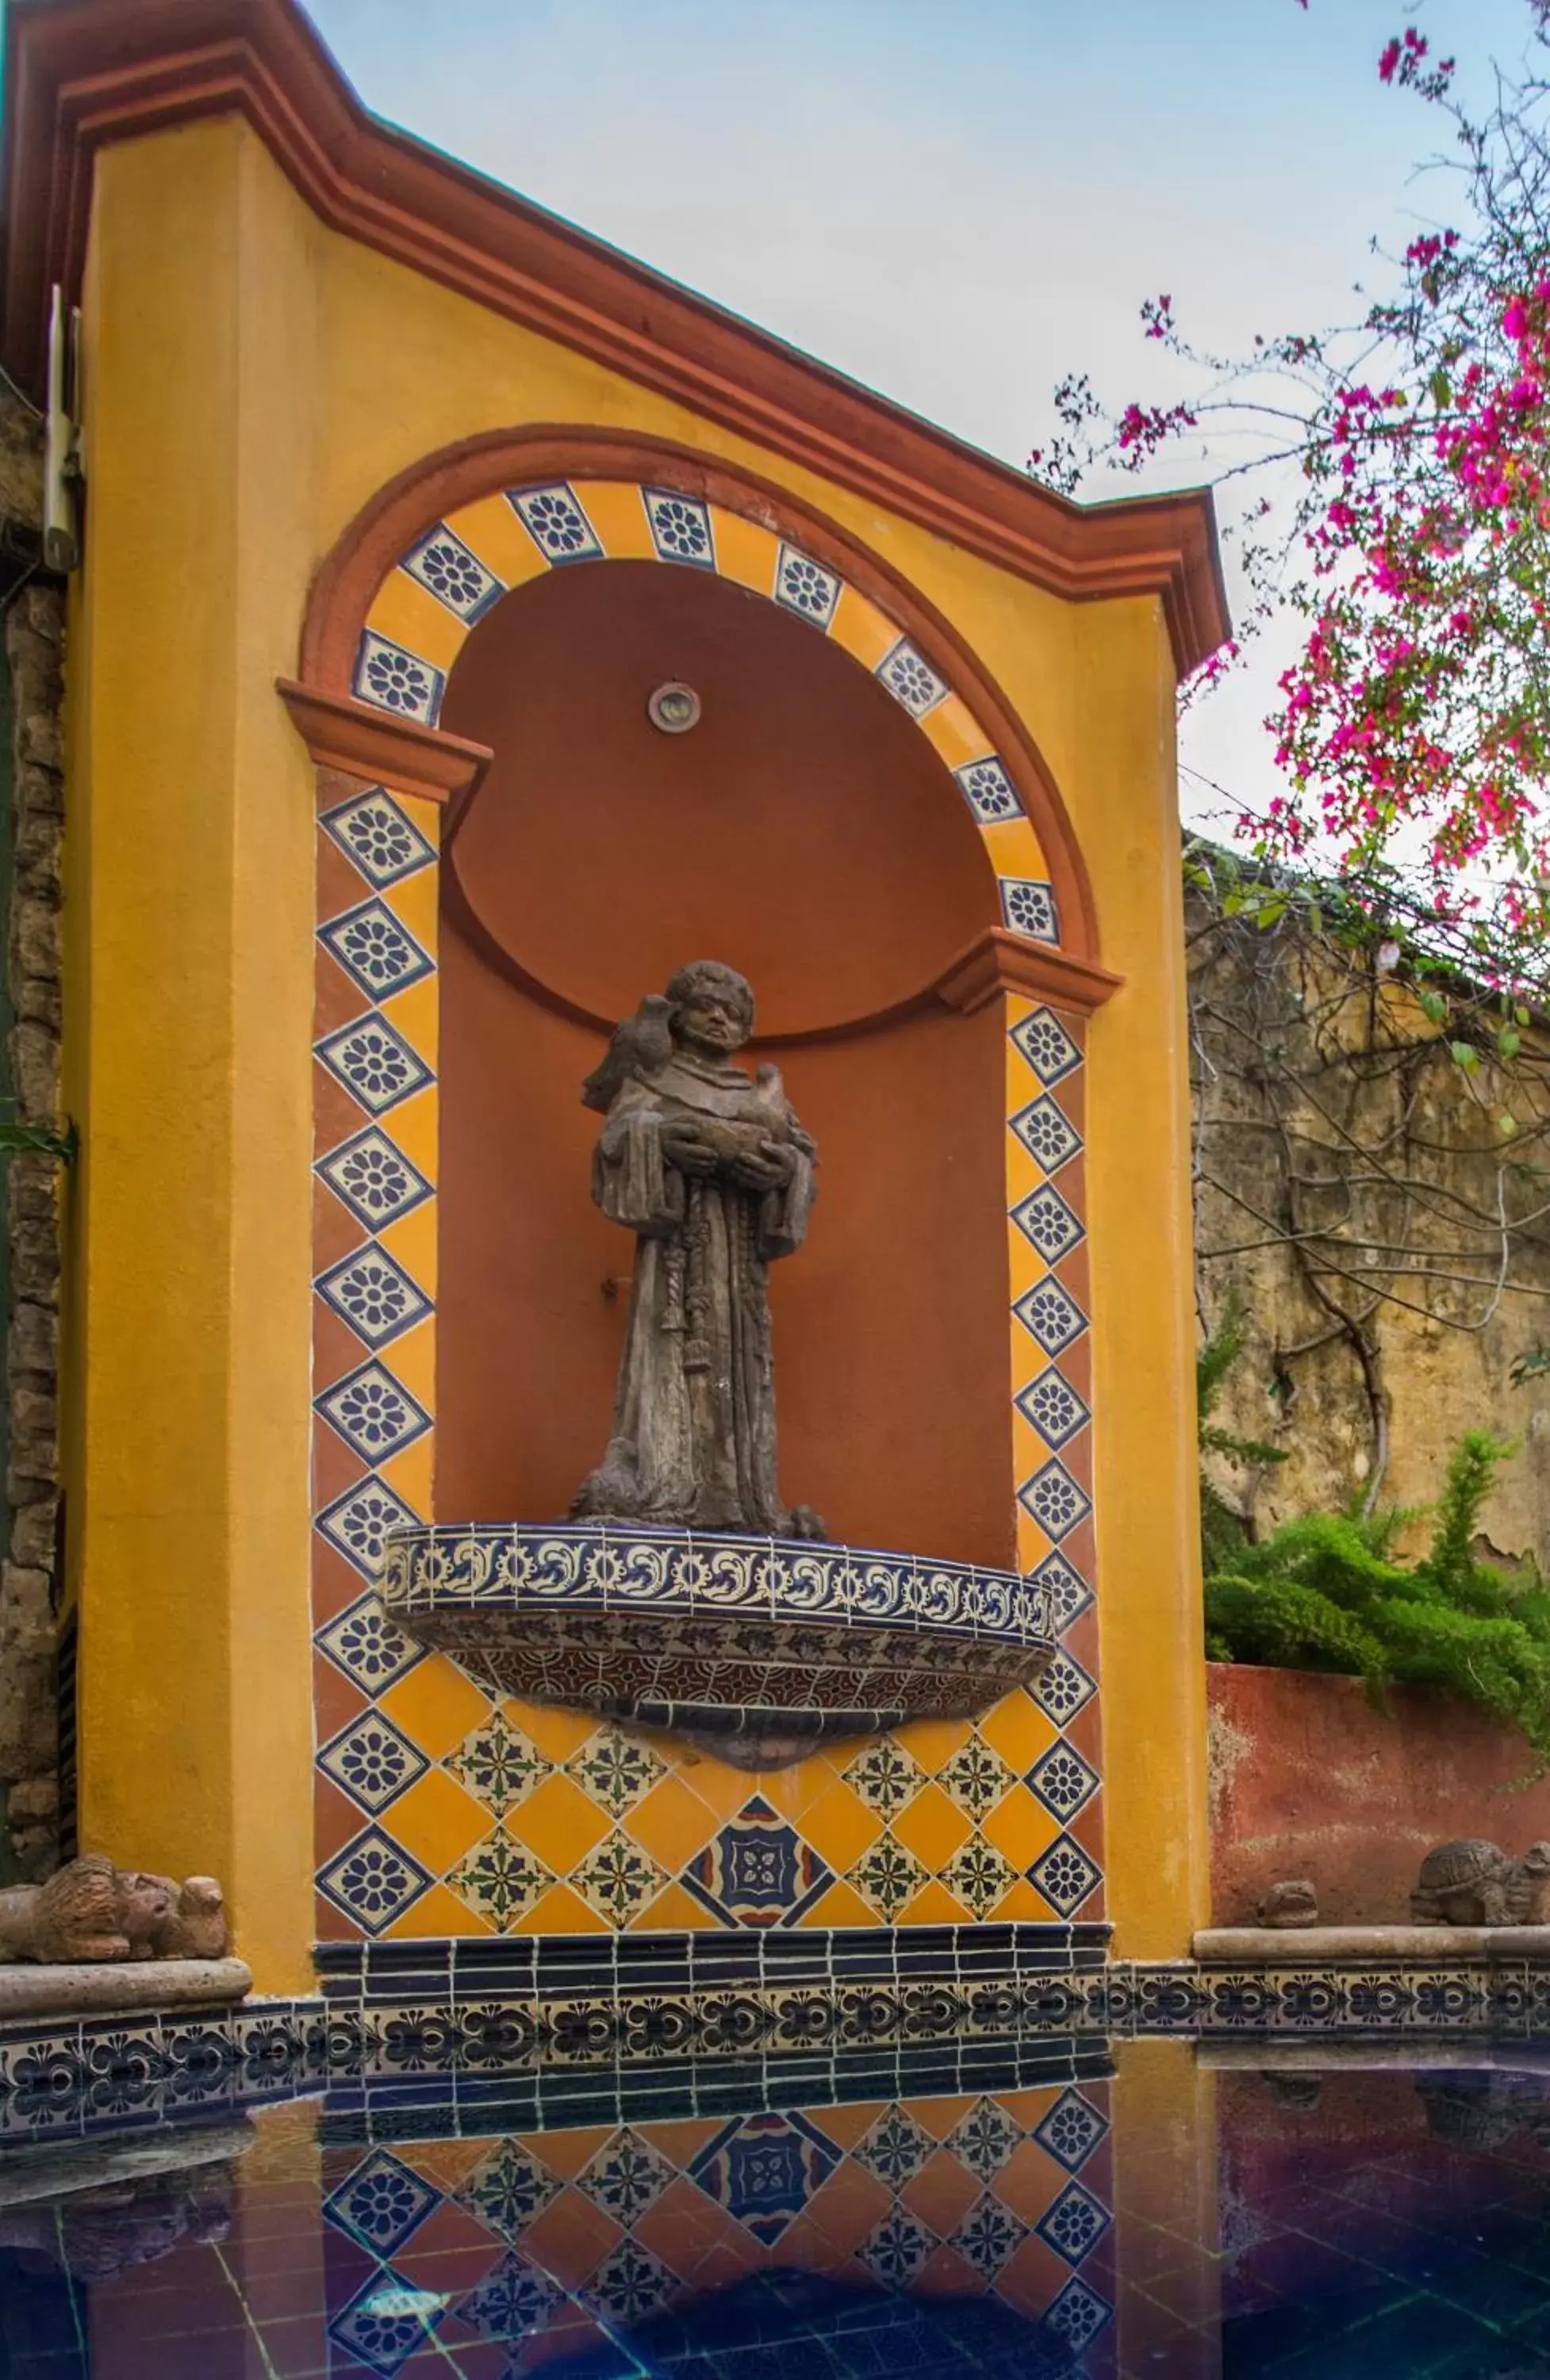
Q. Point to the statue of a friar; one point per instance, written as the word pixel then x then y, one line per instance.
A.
pixel 711 1170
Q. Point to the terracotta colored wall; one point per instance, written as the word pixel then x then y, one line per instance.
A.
pixel 806 832
pixel 1308 1780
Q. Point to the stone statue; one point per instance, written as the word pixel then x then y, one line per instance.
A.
pixel 1293 1901
pixel 710 1167
pixel 1474 1883
pixel 92 1912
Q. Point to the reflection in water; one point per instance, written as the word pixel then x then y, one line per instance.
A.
pixel 1215 2214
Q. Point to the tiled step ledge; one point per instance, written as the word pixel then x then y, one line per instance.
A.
pixel 1374 1946
pixel 26 1990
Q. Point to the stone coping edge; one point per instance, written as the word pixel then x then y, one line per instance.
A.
pixel 33 1990
pixel 1380 1946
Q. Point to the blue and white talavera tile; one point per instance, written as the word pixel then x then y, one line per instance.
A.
pixel 377 952
pixel 390 677
pixel 555 519
pixel 452 572
pixel 373 830
pixel 374 1063
pixel 372 1292
pixel 374 1178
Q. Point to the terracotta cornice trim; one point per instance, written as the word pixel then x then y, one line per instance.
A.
pixel 999 961
pixel 400 753
pixel 80 73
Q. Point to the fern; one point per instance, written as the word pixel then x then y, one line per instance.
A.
pixel 1326 1592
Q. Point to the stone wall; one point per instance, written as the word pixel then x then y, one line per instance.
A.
pixel 1377 1209
pixel 1308 1780
pixel 33 633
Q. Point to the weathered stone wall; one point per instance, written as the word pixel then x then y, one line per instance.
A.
pixel 33 628
pixel 1385 1215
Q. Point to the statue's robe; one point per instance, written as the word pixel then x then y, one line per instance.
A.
pixel 694 1423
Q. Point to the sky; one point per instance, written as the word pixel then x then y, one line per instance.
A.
pixel 960 203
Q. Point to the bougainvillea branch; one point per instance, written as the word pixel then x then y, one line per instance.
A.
pixel 1413 729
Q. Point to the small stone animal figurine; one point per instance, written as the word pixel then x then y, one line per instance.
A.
pixel 1474 1883
pixel 1292 1903
pixel 91 1911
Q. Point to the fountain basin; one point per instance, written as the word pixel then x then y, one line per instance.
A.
pixel 758 1648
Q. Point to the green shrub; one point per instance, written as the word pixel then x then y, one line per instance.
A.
pixel 1327 1593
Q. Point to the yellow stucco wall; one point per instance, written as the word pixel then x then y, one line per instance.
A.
pixel 307 371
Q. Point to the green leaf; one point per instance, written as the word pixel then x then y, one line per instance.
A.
pixel 1441 389
pixel 1510 1041
pixel 1433 1007
pixel 1464 1054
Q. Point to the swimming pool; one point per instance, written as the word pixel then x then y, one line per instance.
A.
pixel 1172 2207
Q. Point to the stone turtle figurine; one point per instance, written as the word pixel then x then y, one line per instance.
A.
pixel 91 1911
pixel 1474 1883
pixel 1293 1901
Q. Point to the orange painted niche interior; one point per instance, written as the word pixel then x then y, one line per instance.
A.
pixel 805 831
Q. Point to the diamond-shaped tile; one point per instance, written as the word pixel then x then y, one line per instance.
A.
pixel 1047 1045
pixel 507 2189
pixel 1072 2129
pixel 1064 1875
pixel 1067 1591
pixel 1063 1782
pixel 887 1875
pixel 1075 2223
pixel 454 574
pixel 976 1776
pixel 1051 1316
pixel 1053 1407
pixel 374 1179
pixel 895 2148
pixel 979 1876
pixel 380 956
pixel 884 1775
pixel 626 2176
pixel 618 1877
pixel 372 1761
pixel 498 1765
pixel 630 2283
pixel 371 1648
pixel 763 2169
pixel 374 1414
pixel 371 830
pixel 757 1870
pixel 988 2235
pixel 985 2138
pixel 372 1292
pixel 386 2321
pixel 373 1880
pixel 989 790
pixel 896 2250
pixel 1055 1499
pixel 390 678
pixel 1078 2314
pixel 680 527
pixel 1061 1687
pixel 375 1063
pixel 358 1523
pixel 1046 1132
pixel 513 2298
pixel 804 586
pixel 1028 907
pixel 499 1878
pixel 555 519
pixel 1044 1217
pixel 381 2202
pixel 616 1771
pixel 911 679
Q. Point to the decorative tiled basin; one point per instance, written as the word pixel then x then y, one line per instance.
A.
pixel 759 1647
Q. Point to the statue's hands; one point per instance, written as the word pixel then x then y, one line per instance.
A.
pixel 684 1147
pixel 767 1167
